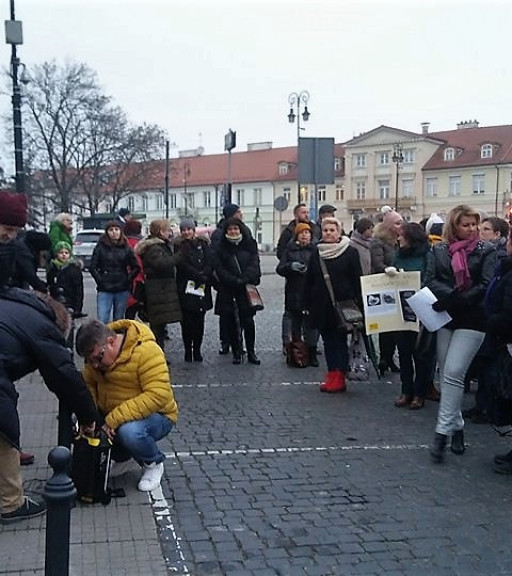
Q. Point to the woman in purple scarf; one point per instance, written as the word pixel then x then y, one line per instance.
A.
pixel 459 270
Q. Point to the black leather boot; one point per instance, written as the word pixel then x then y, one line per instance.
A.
pixel 252 358
pixel 313 360
pixel 437 448
pixel 457 445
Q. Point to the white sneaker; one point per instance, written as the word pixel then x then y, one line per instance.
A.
pixel 151 477
pixel 119 468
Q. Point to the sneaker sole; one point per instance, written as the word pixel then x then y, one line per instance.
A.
pixel 4 520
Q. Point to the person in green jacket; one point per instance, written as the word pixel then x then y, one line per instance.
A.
pixel 61 231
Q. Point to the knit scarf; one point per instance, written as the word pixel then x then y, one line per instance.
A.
pixel 459 251
pixel 333 250
pixel 234 239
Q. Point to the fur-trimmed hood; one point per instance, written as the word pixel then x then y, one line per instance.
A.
pixel 382 233
pixel 143 245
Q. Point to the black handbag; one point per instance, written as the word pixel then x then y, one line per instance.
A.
pixel 348 313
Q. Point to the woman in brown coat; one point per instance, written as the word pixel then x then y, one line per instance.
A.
pixel 161 293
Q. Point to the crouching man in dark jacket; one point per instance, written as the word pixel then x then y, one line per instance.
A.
pixel 32 336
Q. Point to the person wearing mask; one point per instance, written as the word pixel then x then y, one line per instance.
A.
pixel 459 270
pixel 237 263
pixel 294 266
pixel 411 256
pixel 344 269
pixel 113 267
pixel 193 279
pixel 382 251
pixel 360 240
pixel 159 262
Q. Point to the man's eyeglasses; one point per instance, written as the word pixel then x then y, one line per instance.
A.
pixel 97 359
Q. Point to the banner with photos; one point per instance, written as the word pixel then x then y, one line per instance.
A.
pixel 384 299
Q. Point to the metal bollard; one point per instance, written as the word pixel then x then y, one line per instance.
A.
pixel 59 493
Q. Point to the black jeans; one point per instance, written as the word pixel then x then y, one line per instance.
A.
pixel 415 369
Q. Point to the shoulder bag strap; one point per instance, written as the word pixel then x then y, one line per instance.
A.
pixel 328 282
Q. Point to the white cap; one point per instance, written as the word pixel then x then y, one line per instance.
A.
pixel 434 219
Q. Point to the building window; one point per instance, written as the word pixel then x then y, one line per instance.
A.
pixel 361 190
pixel 454 186
pixel 337 164
pixel 144 203
pixel 108 207
pixel 449 154
pixel 478 183
pixel 339 192
pixel 383 189
pixel 486 151
pixel 159 201
pixel 258 196
pixel 207 198
pixel 408 156
pixel 283 168
pixel 131 204
pixel 287 193
pixel 431 186
pixel 360 160
pixel 190 200
pixel 407 188
pixel 384 158
pixel 321 193
pixel 240 196
pixel 172 201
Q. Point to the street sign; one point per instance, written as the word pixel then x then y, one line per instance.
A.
pixel 280 203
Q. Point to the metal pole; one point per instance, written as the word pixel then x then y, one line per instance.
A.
pixel 166 197
pixel 59 493
pixel 298 145
pixel 396 187
pixel 16 113
pixel 230 181
pixel 497 187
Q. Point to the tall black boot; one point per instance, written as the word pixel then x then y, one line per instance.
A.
pixel 197 338
pixel 313 360
pixel 437 448
pixel 457 446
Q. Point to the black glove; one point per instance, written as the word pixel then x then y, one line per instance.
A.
pixel 440 305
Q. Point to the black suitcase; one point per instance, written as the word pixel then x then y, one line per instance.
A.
pixel 90 468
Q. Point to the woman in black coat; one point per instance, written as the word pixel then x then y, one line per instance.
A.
pixel 293 266
pixel 344 268
pixel 113 267
pixel 237 264
pixel 193 278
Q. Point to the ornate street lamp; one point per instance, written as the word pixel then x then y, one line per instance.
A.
pixel 296 100
pixel 398 159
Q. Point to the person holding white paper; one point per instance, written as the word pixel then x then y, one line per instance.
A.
pixel 459 269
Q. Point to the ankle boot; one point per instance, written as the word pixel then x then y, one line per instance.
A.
pixel 457 446
pixel 188 354
pixel 437 448
pixel 334 382
pixel 313 360
pixel 252 358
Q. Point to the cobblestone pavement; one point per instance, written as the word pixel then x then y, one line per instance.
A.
pixel 266 476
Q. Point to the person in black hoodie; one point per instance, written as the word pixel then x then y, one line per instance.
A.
pixel 113 267
pixel 294 266
pixel 237 263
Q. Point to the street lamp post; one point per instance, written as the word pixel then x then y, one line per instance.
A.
pixel 14 36
pixel 296 99
pixel 398 158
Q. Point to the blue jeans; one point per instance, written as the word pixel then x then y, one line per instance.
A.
pixel 336 350
pixel 111 301
pixel 140 437
pixel 455 352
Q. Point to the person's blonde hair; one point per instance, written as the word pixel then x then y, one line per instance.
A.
pixel 331 220
pixel 156 226
pixel 63 216
pixel 453 219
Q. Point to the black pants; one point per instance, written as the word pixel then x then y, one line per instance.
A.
pixel 192 330
pixel 159 332
pixel 247 329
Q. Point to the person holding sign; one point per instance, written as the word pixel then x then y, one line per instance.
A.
pixel 414 368
pixel 459 269
pixel 193 278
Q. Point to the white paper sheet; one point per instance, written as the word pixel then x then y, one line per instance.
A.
pixel 421 303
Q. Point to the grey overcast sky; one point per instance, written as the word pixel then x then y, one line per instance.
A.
pixel 200 67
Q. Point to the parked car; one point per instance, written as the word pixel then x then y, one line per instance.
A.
pixel 84 244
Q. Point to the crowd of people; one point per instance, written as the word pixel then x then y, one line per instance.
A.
pixel 157 280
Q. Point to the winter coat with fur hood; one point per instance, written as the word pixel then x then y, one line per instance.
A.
pixel 159 262
pixel 31 338
pixel 138 383
pixel 382 248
